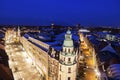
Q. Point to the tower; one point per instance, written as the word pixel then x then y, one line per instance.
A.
pixel 67 60
pixel 18 31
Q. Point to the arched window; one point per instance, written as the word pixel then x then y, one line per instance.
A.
pixel 69 50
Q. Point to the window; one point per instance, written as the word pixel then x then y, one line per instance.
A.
pixel 69 50
pixel 60 67
pixel 60 77
pixel 64 58
pixel 69 60
pixel 69 78
pixel 65 49
pixel 69 70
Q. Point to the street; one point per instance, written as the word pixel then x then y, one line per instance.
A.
pixel 20 63
pixel 89 71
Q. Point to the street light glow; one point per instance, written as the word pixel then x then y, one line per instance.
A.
pixel 97 72
pixel 28 60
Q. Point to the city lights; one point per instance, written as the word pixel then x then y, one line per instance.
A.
pixel 97 72
pixel 74 56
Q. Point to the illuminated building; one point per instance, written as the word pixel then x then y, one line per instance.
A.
pixel 68 61
pixel 52 64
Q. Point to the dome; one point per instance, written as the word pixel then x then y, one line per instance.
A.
pixel 68 32
pixel 68 43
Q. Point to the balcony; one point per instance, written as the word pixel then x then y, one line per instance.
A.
pixel 68 64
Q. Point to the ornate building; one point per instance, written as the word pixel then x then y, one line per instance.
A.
pixel 56 65
pixel 67 60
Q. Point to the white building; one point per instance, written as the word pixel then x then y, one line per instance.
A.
pixel 67 60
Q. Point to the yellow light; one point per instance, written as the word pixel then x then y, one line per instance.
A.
pixel 97 72
pixel 28 60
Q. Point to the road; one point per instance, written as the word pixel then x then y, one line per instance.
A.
pixel 21 64
pixel 89 72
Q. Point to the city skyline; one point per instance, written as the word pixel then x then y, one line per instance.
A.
pixel 87 13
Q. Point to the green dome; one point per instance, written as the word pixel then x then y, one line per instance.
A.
pixel 68 42
pixel 68 32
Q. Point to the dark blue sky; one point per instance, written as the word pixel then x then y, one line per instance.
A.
pixel 62 12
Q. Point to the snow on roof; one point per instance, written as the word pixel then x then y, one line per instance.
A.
pixel 115 65
pixel 1 35
pixel 41 47
pixel 45 37
pixel 59 38
pixel 117 35
pixel 102 33
pixel 109 48
pixel 75 37
pixel 57 47
pixel 26 36
pixel 115 70
pixel 84 30
pixel 53 43
pixel 90 37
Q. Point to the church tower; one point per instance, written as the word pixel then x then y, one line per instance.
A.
pixel 67 60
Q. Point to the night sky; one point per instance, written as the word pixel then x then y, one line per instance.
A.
pixel 61 12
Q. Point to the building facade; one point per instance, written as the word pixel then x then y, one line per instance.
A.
pixel 52 64
pixel 38 56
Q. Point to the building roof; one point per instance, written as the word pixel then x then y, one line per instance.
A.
pixel 46 50
pixel 115 70
pixel 107 53
pixel 109 48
